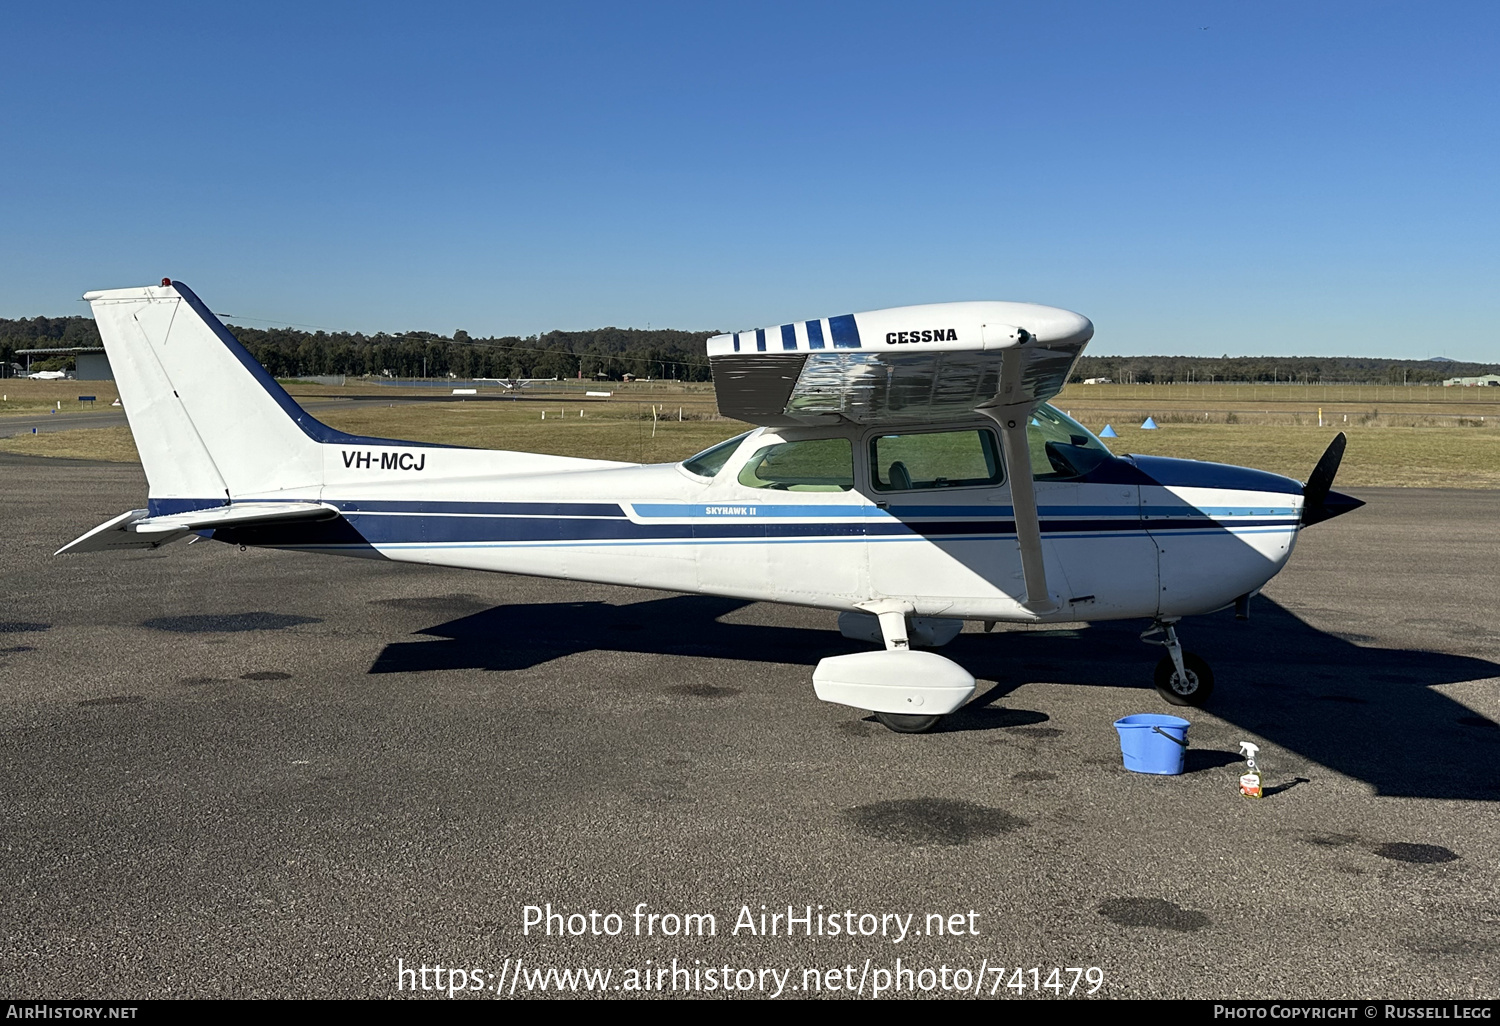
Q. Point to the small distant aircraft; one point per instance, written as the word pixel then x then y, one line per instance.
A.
pixel 47 375
pixel 907 472
pixel 511 384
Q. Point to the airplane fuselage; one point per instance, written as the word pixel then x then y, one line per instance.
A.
pixel 907 472
pixel 1131 537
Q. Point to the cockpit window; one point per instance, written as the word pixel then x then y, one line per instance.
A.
pixel 1061 448
pixel 710 461
pixel 812 465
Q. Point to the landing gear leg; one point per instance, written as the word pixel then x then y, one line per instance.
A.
pixel 893 629
pixel 1182 678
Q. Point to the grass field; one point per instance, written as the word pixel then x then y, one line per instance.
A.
pixel 616 429
pixel 1429 437
pixel 22 395
pixel 1340 405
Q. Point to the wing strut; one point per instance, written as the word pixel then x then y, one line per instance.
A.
pixel 1013 415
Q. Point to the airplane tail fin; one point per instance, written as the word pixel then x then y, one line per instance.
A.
pixel 210 424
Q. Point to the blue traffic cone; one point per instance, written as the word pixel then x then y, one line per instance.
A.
pixel 1150 425
pixel 1109 432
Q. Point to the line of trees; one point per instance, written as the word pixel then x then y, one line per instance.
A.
pixel 1300 370
pixel 44 333
pixel 665 353
pixel 606 352
pixel 290 353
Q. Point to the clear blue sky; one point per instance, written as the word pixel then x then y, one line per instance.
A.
pixel 1198 177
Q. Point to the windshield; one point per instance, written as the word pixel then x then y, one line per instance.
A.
pixel 1062 448
pixel 710 461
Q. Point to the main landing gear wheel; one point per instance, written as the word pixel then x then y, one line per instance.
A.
pixel 1192 689
pixel 906 723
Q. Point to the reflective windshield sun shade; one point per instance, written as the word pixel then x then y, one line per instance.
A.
pixel 710 461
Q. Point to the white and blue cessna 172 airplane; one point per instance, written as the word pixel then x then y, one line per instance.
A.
pixel 907 472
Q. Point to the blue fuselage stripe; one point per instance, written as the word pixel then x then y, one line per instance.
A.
pixel 740 507
pixel 387 522
pixel 388 526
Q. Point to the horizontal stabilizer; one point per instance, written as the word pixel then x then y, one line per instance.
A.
pixel 137 529
pixel 112 534
pixel 241 514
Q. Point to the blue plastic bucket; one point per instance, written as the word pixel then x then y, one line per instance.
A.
pixel 1152 743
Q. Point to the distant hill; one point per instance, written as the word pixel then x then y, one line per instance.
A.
pixel 667 353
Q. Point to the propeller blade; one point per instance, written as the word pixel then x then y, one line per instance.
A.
pixel 1316 489
pixel 1319 501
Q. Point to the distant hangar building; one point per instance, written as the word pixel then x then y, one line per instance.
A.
pixel 90 361
pixel 1483 379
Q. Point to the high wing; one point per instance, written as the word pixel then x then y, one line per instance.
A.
pixel 914 364
pixel 138 529
pixel 910 364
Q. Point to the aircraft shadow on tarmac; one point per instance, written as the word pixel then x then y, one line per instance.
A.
pixel 1367 712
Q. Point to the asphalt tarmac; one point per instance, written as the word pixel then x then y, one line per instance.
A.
pixel 47 423
pixel 259 774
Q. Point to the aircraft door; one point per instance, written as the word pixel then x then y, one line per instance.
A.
pixel 944 539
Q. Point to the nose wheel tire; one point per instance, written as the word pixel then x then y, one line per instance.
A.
pixel 1192 689
pixel 905 723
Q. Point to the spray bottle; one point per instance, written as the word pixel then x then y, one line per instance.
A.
pixel 1250 781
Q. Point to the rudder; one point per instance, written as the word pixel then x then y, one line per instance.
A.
pixel 210 424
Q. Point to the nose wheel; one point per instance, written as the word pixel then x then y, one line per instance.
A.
pixel 1182 678
pixel 1189 686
